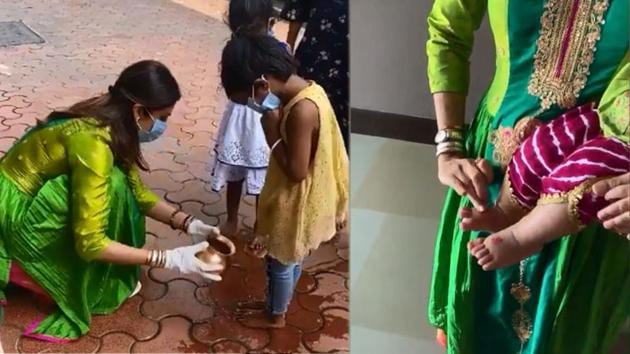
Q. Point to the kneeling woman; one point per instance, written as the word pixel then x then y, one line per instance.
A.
pixel 72 204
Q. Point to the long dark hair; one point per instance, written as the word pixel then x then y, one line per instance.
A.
pixel 249 16
pixel 247 57
pixel 148 83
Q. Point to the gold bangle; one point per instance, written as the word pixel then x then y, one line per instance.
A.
pixel 163 260
pixel 151 258
pixel 447 151
pixel 451 143
pixel 448 147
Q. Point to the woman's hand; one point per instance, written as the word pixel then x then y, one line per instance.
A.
pixel 467 177
pixel 200 231
pixel 615 216
pixel 183 259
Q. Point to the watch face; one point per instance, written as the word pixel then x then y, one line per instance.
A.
pixel 440 136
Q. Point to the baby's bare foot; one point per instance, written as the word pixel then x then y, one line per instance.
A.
pixel 250 307
pixel 492 219
pixel 503 249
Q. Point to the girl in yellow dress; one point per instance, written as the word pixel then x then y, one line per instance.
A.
pixel 304 200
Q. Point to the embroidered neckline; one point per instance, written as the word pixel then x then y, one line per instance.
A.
pixel 570 30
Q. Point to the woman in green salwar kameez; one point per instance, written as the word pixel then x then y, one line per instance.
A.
pixel 72 205
pixel 551 56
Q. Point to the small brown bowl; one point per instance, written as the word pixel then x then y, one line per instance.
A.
pixel 219 250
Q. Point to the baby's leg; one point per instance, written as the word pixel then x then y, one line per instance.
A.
pixel 599 158
pixel 536 157
pixel 566 205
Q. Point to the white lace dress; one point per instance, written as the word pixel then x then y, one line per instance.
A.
pixel 241 152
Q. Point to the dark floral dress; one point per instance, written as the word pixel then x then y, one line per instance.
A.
pixel 323 51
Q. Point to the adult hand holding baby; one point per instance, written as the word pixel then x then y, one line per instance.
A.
pixel 616 190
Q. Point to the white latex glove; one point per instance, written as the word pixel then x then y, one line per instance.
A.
pixel 200 231
pixel 183 260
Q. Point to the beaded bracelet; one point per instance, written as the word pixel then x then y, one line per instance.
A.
pixel 172 219
pixel 189 219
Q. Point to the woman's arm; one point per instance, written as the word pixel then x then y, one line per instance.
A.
pixel 168 214
pixel 452 24
pixel 450 109
pixel 157 209
pixel 294 154
pixel 91 164
pixel 119 253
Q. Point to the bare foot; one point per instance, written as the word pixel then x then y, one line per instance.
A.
pixel 263 320
pixel 229 228
pixel 249 307
pixel 502 249
pixel 492 219
pixel 252 304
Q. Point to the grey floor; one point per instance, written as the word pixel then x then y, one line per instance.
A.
pixel 396 199
pixel 395 207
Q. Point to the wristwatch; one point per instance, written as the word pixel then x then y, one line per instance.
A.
pixel 449 134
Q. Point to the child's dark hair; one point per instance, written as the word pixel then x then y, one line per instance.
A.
pixel 246 58
pixel 249 16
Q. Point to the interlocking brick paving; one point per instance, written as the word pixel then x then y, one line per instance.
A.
pixel 87 44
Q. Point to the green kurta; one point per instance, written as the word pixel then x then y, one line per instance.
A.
pixel 62 201
pixel 550 56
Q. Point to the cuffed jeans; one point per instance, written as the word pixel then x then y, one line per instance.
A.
pixel 281 282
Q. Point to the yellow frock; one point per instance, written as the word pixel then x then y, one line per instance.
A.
pixel 298 217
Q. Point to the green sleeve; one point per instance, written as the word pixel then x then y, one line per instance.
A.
pixel 91 162
pixel 452 24
pixel 614 107
pixel 145 197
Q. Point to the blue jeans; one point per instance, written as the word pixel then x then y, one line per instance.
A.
pixel 281 282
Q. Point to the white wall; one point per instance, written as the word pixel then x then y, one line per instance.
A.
pixel 388 60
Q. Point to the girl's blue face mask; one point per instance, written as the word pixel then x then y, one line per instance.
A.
pixel 270 102
pixel 157 129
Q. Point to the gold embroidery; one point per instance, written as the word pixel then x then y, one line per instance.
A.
pixel 561 62
pixel 521 320
pixel 507 140
pixel 553 198
pixel 504 145
pixel 507 202
pixel 572 198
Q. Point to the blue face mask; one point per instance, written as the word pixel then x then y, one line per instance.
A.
pixel 271 102
pixel 157 129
